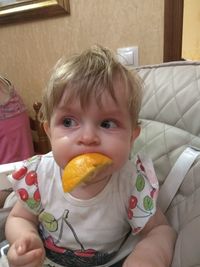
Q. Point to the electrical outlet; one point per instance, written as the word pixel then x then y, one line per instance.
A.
pixel 128 55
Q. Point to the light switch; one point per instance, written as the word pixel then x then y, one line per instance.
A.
pixel 128 55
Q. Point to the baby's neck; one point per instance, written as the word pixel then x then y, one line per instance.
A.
pixel 89 190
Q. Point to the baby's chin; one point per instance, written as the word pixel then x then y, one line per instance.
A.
pixel 97 179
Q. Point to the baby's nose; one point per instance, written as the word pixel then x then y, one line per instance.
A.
pixel 89 136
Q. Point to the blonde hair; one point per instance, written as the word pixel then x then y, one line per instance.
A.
pixel 90 74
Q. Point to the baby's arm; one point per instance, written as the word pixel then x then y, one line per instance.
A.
pixel 21 232
pixel 156 246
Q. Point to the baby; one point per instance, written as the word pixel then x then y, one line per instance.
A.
pixel 91 105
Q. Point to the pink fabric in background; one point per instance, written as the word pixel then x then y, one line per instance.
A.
pixel 15 134
pixel 13 106
pixel 15 139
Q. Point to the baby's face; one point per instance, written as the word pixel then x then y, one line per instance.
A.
pixel 106 129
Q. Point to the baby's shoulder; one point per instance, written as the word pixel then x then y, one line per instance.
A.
pixel 137 172
pixel 30 178
pixel 32 171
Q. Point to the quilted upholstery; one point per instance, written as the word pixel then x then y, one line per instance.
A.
pixel 172 94
pixel 170 122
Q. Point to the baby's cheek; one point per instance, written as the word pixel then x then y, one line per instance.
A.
pixel 60 156
pixel 120 159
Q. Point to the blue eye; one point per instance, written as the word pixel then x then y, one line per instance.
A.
pixel 68 122
pixel 107 124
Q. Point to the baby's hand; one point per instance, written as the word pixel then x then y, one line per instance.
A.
pixel 28 251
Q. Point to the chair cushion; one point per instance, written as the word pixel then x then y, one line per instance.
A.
pixel 170 123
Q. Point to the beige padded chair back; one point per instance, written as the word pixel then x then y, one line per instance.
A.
pixel 170 123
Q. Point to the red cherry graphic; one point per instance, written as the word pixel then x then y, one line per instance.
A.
pixel 23 194
pixel 50 244
pixel 130 214
pixel 31 178
pixel 136 230
pixel 36 195
pixel 133 202
pixel 86 253
pixel 19 174
pixel 138 161
pixel 152 192
pixel 142 168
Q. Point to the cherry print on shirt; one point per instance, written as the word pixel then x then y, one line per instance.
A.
pixel 50 223
pixel 31 178
pixel 86 253
pixel 32 202
pixel 36 195
pixel 19 174
pixel 130 214
pixel 31 197
pixel 133 202
pixel 136 230
pixel 141 203
pixel 23 194
pixel 140 182
pixel 153 191
pixel 147 203
pixel 140 165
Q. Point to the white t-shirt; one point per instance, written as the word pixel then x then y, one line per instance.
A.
pixel 87 232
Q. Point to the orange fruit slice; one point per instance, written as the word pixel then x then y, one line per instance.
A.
pixel 83 168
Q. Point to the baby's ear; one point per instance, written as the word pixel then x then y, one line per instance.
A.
pixel 135 134
pixel 47 129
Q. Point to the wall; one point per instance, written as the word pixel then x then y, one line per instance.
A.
pixel 191 33
pixel 30 49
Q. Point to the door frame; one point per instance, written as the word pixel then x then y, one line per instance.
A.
pixel 173 28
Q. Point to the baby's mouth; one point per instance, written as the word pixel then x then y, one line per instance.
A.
pixel 83 168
